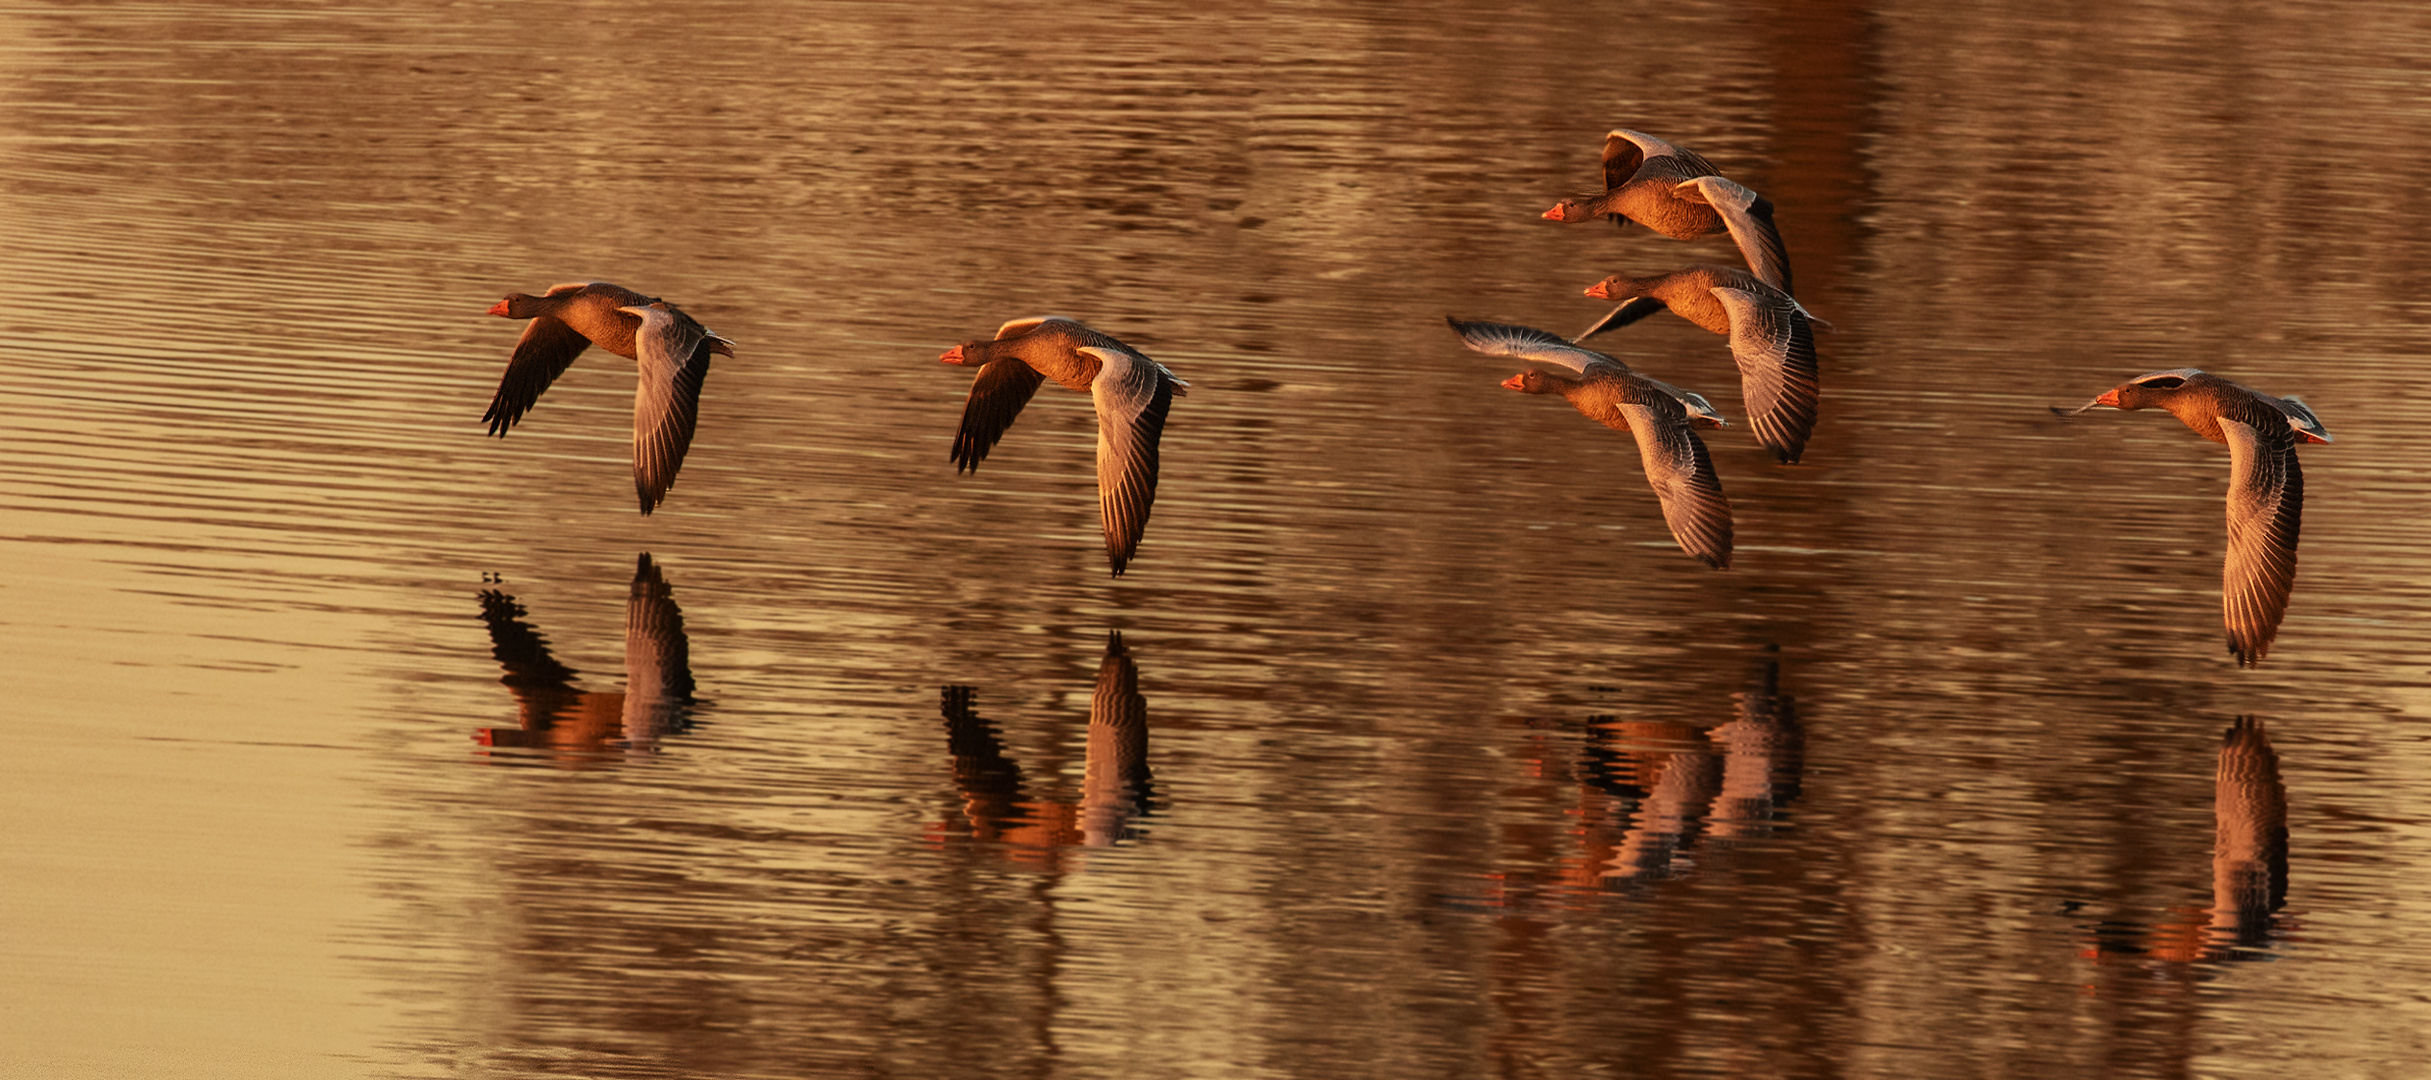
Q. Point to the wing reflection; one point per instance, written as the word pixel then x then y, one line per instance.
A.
pixel 1651 793
pixel 1763 754
pixel 1115 788
pixel 1727 783
pixel 2250 845
pixel 553 714
pixel 2249 864
pixel 1674 765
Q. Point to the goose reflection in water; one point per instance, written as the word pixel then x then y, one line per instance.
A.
pixel 1728 783
pixel 2249 863
pixel 1763 755
pixel 552 714
pixel 1115 787
pixel 1650 791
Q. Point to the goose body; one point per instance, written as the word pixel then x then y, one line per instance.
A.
pixel 1132 393
pixel 670 348
pixel 1606 391
pixel 1683 196
pixel 2265 493
pixel 1772 337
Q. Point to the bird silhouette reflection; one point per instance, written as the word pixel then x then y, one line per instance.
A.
pixel 1763 756
pixel 554 715
pixel 1726 784
pixel 1000 801
pixel 1652 793
pixel 2249 863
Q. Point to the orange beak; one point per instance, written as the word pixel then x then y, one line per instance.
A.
pixel 1597 291
pixel 952 356
pixel 1554 214
pixel 1516 382
pixel 499 309
pixel 2109 397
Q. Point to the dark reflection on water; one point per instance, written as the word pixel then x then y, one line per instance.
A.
pixel 570 724
pixel 1650 794
pixel 1002 807
pixel 2249 865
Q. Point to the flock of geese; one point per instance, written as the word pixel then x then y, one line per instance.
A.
pixel 1663 187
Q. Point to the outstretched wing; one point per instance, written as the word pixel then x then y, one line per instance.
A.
pixel 1701 412
pixel 1749 217
pixel 548 346
pixel 1629 311
pixel 672 352
pixel 1682 475
pixel 1640 148
pixel 1778 374
pixel 1133 394
pixel 997 396
pixel 2265 513
pixel 1624 151
pixel 1528 343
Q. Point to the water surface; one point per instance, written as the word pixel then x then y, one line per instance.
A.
pixel 352 742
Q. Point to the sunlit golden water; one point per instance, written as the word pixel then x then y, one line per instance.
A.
pixel 332 755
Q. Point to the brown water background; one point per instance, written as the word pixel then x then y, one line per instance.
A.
pixel 1459 767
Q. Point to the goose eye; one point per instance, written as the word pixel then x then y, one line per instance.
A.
pixel 2165 382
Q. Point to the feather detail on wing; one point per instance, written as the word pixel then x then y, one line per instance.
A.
pixel 548 346
pixel 1640 150
pixel 1778 374
pixel 1133 394
pixel 1749 217
pixel 1018 327
pixel 1629 311
pixel 672 353
pixel 1528 343
pixel 998 393
pixel 1624 151
pixel 2307 426
pixel 2265 514
pixel 1682 475
pixel 1701 412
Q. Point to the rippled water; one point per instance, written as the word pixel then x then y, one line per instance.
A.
pixel 351 742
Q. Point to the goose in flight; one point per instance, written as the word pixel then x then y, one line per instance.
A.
pixel 670 348
pixel 1132 392
pixel 2265 489
pixel 1606 391
pixel 1771 336
pixel 1683 196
